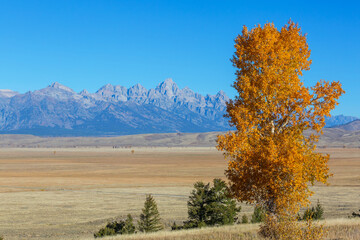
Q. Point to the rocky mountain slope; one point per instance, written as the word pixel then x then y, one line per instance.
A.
pixel 57 110
pixel 339 120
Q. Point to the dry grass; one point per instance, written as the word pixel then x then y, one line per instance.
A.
pixel 239 232
pixel 343 229
pixel 340 229
pixel 71 193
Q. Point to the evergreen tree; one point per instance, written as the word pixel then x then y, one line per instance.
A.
pixel 319 211
pixel 129 227
pixel 315 213
pixel 150 217
pixel 258 215
pixel 222 208
pixel 244 219
pixel 198 200
pixel 210 205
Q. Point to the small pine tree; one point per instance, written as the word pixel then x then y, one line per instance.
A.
pixel 244 219
pixel 150 220
pixel 129 227
pixel 258 215
pixel 319 211
pixel 314 213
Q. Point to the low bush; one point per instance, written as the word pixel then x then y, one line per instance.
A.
pixel 176 227
pixel 114 228
pixel 109 230
pixel 354 214
pixel 286 227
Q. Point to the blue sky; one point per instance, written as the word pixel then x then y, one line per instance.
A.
pixel 86 44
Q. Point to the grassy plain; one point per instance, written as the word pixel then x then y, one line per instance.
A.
pixel 71 193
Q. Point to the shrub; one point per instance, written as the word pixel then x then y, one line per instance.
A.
pixel 279 228
pixel 286 227
pixel 354 214
pixel 114 228
pixel 311 232
pixel 176 227
pixel 106 231
pixel 150 220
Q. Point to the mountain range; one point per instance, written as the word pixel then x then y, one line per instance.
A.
pixel 113 110
pixel 57 110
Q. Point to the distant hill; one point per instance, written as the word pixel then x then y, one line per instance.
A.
pixel 116 110
pixel 332 138
pixel 351 126
pixel 127 141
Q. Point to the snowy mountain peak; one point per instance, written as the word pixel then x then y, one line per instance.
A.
pixel 107 87
pixel 138 86
pixel 57 85
pixel 84 92
pixel 7 93
pixel 222 95
pixel 137 90
pixel 168 88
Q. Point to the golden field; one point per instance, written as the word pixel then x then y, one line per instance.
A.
pixel 71 193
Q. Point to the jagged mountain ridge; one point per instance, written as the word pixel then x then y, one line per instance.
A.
pixel 57 110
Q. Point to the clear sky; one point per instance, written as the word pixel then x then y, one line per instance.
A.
pixel 87 44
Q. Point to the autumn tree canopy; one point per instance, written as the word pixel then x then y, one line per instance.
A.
pixel 271 162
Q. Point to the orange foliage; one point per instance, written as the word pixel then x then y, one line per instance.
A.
pixel 271 162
